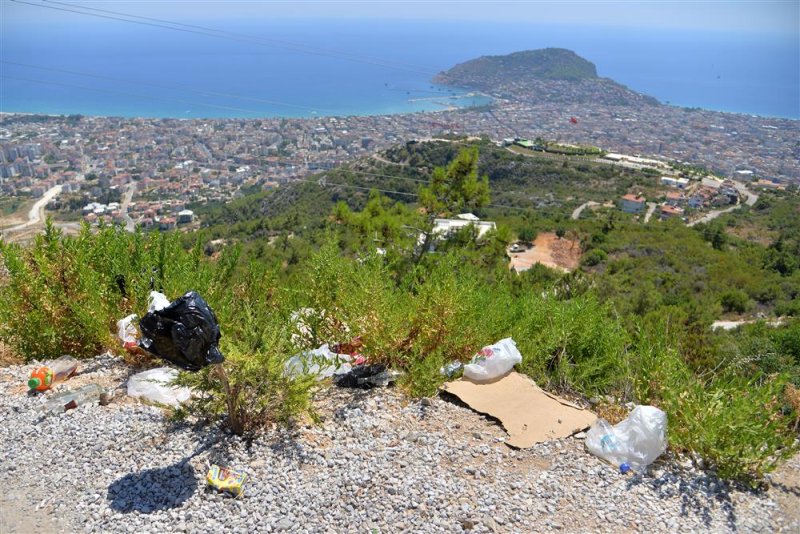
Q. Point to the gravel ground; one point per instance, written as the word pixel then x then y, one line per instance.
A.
pixel 377 463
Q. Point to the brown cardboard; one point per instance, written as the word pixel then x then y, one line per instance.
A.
pixel 529 414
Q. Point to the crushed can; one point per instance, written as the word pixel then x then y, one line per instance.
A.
pixel 225 479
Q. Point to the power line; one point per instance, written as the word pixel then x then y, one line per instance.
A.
pixel 220 34
pixel 324 183
pixel 150 84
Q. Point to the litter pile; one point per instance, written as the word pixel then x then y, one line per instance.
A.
pixel 186 334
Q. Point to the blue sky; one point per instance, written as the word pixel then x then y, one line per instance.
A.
pixel 754 15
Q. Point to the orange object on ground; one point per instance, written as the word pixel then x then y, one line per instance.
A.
pixel 43 378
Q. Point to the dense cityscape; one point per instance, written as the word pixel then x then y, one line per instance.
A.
pixel 164 164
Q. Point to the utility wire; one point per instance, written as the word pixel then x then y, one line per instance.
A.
pixel 272 41
pixel 150 84
pixel 323 182
pixel 220 34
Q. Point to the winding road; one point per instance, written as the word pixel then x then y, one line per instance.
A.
pixel 130 225
pixel 651 207
pixel 36 213
pixel 577 213
pixel 750 199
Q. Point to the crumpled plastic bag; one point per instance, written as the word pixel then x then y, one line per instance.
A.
pixel 157 301
pixel 493 361
pixel 126 331
pixel 321 362
pixel 184 333
pixel 632 444
pixel 154 385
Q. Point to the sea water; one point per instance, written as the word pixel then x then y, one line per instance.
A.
pixel 306 68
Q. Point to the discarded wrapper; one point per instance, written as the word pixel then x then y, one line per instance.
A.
pixel 225 479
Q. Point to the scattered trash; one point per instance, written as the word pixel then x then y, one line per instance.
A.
pixel 127 332
pixel 451 369
pixel 366 377
pixel 157 301
pixel 311 325
pixel 634 443
pixel 68 400
pixel 44 377
pixel 493 361
pixel 225 479
pixel 321 362
pixel 184 333
pixel 155 386
pixel 529 414
pixel 352 348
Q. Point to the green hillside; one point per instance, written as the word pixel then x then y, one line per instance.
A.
pixel 542 64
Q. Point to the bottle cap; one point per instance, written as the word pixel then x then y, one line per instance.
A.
pixel 624 468
pixel 34 383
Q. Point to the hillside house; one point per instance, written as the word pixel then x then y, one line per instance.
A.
pixel 632 204
pixel 443 228
pixel 670 212
pixel 674 198
pixel 669 181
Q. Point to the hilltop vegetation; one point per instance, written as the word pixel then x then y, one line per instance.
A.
pixel 632 324
pixel 549 75
pixel 542 64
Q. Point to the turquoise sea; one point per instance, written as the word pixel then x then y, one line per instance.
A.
pixel 306 68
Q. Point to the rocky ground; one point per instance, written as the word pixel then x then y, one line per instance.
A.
pixel 377 462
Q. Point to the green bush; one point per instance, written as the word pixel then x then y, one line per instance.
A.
pixel 594 257
pixel 258 338
pixel 742 427
pixel 64 295
pixel 734 300
pixel 725 399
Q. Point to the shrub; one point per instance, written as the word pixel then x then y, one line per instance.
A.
pixel 65 294
pixel 594 257
pixel 738 425
pixel 257 341
pixel 734 300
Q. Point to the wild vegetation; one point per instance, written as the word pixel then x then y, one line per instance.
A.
pixel 632 324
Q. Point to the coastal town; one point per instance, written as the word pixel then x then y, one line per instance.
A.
pixel 147 171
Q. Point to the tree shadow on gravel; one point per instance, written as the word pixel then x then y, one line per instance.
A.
pixel 160 488
pixel 152 490
pixel 693 494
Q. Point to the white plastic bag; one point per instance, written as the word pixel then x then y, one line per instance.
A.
pixel 127 332
pixel 157 301
pixel 154 385
pixel 321 362
pixel 493 361
pixel 633 443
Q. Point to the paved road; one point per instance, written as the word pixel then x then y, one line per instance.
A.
pixel 577 213
pixel 750 198
pixel 36 213
pixel 130 225
pixel 651 207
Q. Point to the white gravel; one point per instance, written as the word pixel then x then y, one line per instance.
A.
pixel 377 463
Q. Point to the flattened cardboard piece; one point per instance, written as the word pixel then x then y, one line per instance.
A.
pixel 529 414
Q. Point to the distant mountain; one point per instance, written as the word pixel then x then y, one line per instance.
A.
pixel 547 74
pixel 543 64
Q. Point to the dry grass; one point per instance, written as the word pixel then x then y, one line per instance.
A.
pixel 7 357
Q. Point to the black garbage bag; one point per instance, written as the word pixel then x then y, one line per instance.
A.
pixel 184 333
pixel 365 377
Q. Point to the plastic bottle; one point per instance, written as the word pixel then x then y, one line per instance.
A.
pixel 602 442
pixel 43 378
pixel 67 400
